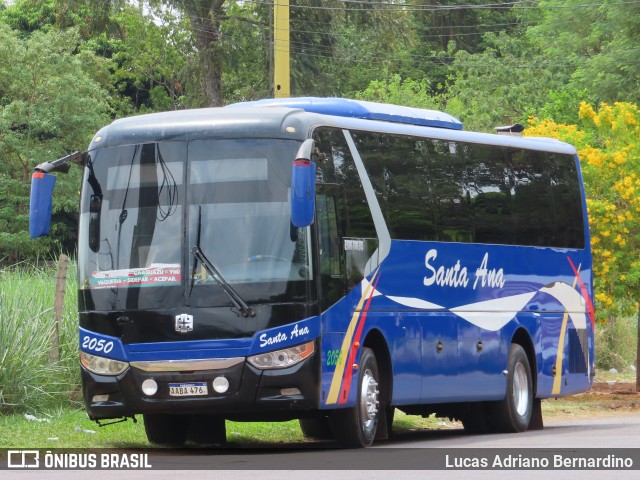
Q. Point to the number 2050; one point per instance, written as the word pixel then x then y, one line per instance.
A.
pixel 96 345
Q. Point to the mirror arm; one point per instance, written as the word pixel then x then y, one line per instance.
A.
pixel 63 164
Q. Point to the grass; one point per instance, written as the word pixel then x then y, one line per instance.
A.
pixel 616 343
pixel 67 429
pixel 72 429
pixel 27 377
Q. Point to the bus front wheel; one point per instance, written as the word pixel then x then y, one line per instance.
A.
pixel 165 429
pixel 316 428
pixel 513 414
pixel 356 427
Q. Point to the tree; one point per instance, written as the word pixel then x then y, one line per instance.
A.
pixel 607 142
pixel 149 54
pixel 398 91
pixel 247 39
pixel 506 83
pixel 205 17
pixel 599 43
pixel 49 105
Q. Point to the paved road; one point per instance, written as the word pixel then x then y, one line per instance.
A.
pixel 408 456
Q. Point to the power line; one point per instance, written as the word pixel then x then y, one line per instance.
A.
pixel 407 7
pixel 327 52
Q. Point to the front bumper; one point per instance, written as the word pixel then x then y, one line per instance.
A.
pixel 253 394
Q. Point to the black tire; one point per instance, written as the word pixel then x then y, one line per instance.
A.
pixel 476 419
pixel 356 427
pixel 513 414
pixel 317 428
pixel 207 430
pixel 164 429
pixel 385 422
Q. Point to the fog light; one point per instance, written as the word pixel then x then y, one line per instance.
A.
pixel 220 384
pixel 100 398
pixel 290 392
pixel 149 387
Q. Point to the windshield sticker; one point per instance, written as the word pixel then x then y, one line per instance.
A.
pixel 153 276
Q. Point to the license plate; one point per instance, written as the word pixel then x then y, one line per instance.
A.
pixel 188 389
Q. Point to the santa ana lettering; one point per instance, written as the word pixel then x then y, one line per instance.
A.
pixel 273 340
pixel 298 332
pixel 458 276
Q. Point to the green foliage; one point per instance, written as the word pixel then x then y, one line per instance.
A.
pixel 27 17
pixel 245 47
pixel 562 105
pixel 49 105
pixel 397 91
pixel 502 85
pixel 616 340
pixel 145 56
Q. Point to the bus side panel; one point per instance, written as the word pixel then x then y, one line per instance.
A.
pixel 567 359
pixel 482 356
pixel 405 340
pixel 440 382
pixel 449 312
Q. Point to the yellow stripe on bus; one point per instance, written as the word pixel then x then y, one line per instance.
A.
pixel 334 390
pixel 557 380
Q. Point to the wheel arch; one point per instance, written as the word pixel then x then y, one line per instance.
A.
pixel 522 338
pixel 376 341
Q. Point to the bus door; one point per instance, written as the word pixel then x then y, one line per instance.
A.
pixel 330 257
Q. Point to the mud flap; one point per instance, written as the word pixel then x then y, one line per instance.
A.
pixel 536 422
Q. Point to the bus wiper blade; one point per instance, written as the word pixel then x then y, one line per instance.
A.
pixel 236 299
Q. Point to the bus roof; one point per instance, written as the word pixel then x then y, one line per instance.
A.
pixel 295 118
pixel 344 107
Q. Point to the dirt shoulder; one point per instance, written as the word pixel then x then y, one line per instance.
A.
pixel 604 398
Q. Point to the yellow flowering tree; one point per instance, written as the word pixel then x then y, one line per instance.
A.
pixel 608 143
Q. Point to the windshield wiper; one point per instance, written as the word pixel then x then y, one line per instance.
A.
pixel 235 297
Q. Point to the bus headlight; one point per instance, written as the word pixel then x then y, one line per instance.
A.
pixel 101 365
pixel 284 358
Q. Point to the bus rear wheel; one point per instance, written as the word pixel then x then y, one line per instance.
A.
pixel 513 414
pixel 356 427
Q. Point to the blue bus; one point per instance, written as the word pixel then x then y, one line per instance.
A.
pixel 326 260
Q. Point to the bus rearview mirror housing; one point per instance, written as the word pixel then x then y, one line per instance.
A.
pixel 303 186
pixel 41 201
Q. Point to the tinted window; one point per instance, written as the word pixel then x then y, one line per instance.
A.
pixel 336 166
pixel 446 191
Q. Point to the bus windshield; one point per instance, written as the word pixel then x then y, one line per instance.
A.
pixel 144 207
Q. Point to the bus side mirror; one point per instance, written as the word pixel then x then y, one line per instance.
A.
pixel 303 186
pixel 40 205
pixel 42 184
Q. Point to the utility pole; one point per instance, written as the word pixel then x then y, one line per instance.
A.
pixel 281 69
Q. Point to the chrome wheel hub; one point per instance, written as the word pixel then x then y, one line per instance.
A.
pixel 520 389
pixel 368 401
